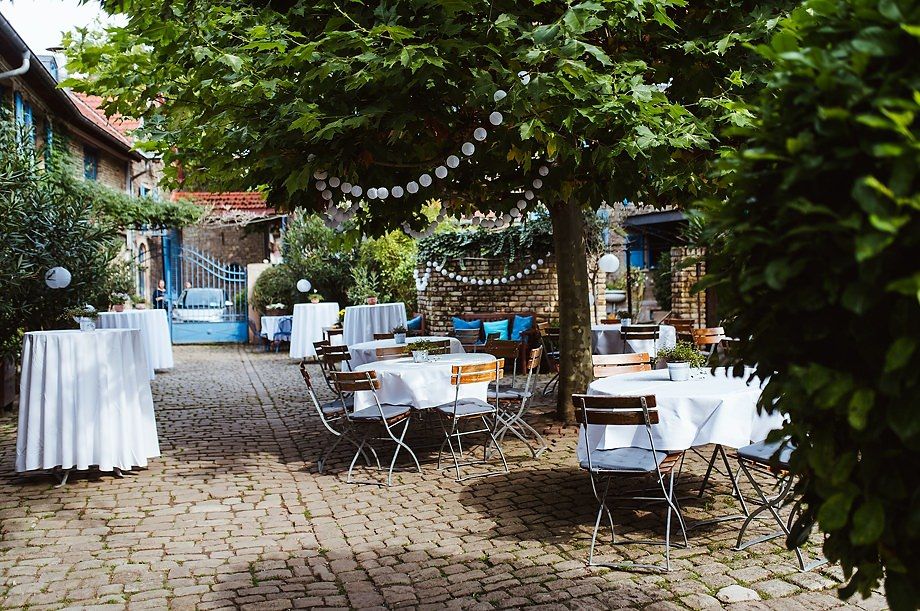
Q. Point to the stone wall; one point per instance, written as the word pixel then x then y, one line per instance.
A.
pixel 684 303
pixel 228 244
pixel 537 292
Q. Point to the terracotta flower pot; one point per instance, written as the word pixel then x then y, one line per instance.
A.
pixel 118 307
pixel 371 301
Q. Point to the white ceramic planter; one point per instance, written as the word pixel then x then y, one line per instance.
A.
pixel 399 338
pixel 679 372
pixel 625 322
pixel 87 323
pixel 615 296
pixel 419 356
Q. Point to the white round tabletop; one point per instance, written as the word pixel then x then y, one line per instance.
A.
pixel 366 352
pixel 154 328
pixel 708 408
pixel 421 385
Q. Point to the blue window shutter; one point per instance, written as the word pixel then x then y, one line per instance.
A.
pixel 90 163
pixel 18 110
pixel 49 139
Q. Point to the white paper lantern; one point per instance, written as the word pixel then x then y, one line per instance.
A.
pixel 537 183
pixel 440 172
pixel 528 195
pixel 504 281
pixel 480 282
pixel 499 95
pixel 609 263
pixel 480 134
pixel 521 204
pixel 533 266
pixel 515 212
pixel 327 194
pixel 412 187
pixel 372 193
pixel 346 187
pixel 453 161
pixel 356 191
pixel 543 170
pixel 334 181
pixel 525 78
pixel 539 261
pixel 397 191
pixel 320 175
pixel 303 285
pixel 506 217
pixel 383 192
pixel 496 118
pixel 321 185
pixel 519 275
pixel 527 272
pixel 452 275
pixel 424 180
pixel 488 282
pixel 468 148
pixel 477 220
pixel 443 272
pixel 58 278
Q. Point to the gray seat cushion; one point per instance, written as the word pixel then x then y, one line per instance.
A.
pixel 763 452
pixel 335 407
pixel 372 413
pixel 639 460
pixel 467 407
pixel 510 394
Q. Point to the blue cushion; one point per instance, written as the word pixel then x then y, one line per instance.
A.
pixel 763 452
pixel 499 326
pixel 522 324
pixel 414 324
pixel 459 323
pixel 625 459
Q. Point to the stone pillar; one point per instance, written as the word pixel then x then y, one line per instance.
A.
pixel 688 265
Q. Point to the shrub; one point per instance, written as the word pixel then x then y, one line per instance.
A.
pixel 661 276
pixel 313 251
pixel 823 215
pixel 393 257
pixel 275 285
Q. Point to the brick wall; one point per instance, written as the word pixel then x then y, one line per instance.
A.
pixel 112 172
pixel 684 303
pixel 230 244
pixel 536 292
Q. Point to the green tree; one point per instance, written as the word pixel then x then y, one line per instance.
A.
pixel 822 216
pixel 377 94
pixel 314 252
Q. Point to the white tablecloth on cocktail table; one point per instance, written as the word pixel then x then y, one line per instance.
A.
pixel 366 352
pixel 361 322
pixel 309 321
pixel 421 385
pixel 713 408
pixel 85 400
pixel 154 328
pixel 606 339
pixel 269 326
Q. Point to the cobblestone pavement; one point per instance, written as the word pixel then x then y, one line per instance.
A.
pixel 234 515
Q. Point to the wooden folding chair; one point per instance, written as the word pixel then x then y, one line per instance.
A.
pixel 708 339
pixel 606 365
pixel 389 353
pixel 383 336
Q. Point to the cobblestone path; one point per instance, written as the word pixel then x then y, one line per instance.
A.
pixel 234 515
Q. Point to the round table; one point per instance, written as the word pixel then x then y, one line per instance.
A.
pixel 710 408
pixel 606 339
pixel 366 352
pixel 361 322
pixel 309 321
pixel 421 385
pixel 154 328
pixel 269 326
pixel 85 400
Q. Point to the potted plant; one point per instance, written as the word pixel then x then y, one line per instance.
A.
pixel 420 350
pixel 365 287
pixel 616 291
pixel 625 317
pixel 680 359
pixel 275 309
pixel 399 334
pixel 315 297
pixel 139 302
pixel 85 316
pixel 119 300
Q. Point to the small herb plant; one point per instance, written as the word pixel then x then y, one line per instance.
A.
pixel 84 311
pixel 623 314
pixel 424 344
pixel 399 329
pixel 683 352
pixel 138 299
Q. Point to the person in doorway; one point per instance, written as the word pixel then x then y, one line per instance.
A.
pixel 159 296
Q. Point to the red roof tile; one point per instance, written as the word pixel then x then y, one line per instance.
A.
pixel 88 105
pixel 246 201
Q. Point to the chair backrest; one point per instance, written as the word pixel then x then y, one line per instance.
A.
pixel 682 325
pixel 335 355
pixel 501 348
pixel 467 337
pixel 312 394
pixel 550 339
pixel 330 332
pixel 708 336
pixel 606 365
pixel 639 332
pixel 476 374
pixel 389 353
pixel 616 411
pixel 285 325
pixel 383 336
pixel 319 346
pixel 610 320
pixel 439 346
pixel 355 381
pixel 532 367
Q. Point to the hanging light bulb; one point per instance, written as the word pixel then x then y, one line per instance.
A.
pixel 425 180
pixel 372 193
pixel 453 161
pixel 496 118
pixel 543 170
pixel 499 95
pixel 321 185
pixel 521 204
pixel 515 212
pixel 539 261
pixel 528 194
pixel 412 187
pixel 383 192
pixel 537 183
pixel 346 187
pixel 334 181
pixel 440 172
pixel 480 134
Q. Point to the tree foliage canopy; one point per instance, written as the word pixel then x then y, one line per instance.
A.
pixel 823 215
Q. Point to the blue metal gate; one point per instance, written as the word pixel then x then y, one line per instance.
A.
pixel 207 298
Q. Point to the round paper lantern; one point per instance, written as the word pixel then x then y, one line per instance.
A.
pixel 609 263
pixel 480 134
pixel 321 185
pixel 537 183
pixel 477 220
pixel 480 282
pixel 346 187
pixel 440 172
pixel 504 281
pixel 488 281
pixel 412 187
pixel 533 266
pixel 397 191
pixel 334 181
pixel 543 170
pixel 525 78
pixel 452 275
pixel 425 180
pixel 468 148
pixel 453 161
pixel 515 212
pixel 539 261
pixel 496 118
pixel 372 193
pixel 57 278
pixel 356 191
pixel 527 272
pixel 443 272
pixel 303 285
pixel 521 204
pixel 519 275
pixel 499 95
pixel 327 195
pixel 383 192
pixel 528 194
pixel 319 175
pixel 506 217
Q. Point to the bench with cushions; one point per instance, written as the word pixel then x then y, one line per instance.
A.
pixel 516 326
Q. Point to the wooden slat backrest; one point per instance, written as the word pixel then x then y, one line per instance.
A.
pixel 601 409
pixel 533 359
pixel 392 352
pixel 605 371
pixel 440 346
pixel 306 374
pixel 640 331
pixel 467 337
pixel 606 365
pixel 610 321
pixel 501 348
pixel 542 326
pixel 708 336
pixel 353 381
pixel 473 374
pixel 378 336
pixel 680 324
pixel 336 354
pixel 330 332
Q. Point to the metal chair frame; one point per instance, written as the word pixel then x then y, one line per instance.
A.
pixel 550 340
pixel 511 417
pixel 461 375
pixel 641 333
pixel 331 359
pixel 283 334
pixel 348 381
pixel 632 411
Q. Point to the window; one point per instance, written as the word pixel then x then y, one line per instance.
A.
pixel 22 112
pixel 90 163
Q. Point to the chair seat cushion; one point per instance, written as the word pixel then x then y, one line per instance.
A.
pixel 762 452
pixel 335 407
pixel 510 394
pixel 372 413
pixel 639 460
pixel 466 407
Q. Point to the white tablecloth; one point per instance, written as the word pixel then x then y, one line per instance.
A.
pixel 309 320
pixel 154 328
pixel 366 352
pixel 421 385
pixel 85 400
pixel 715 408
pixel 269 326
pixel 606 339
pixel 361 322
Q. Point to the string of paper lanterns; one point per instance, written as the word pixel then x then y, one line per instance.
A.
pixel 473 281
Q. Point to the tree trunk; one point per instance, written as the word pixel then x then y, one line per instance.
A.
pixel 574 310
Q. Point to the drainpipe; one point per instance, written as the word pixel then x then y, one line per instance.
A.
pixel 21 69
